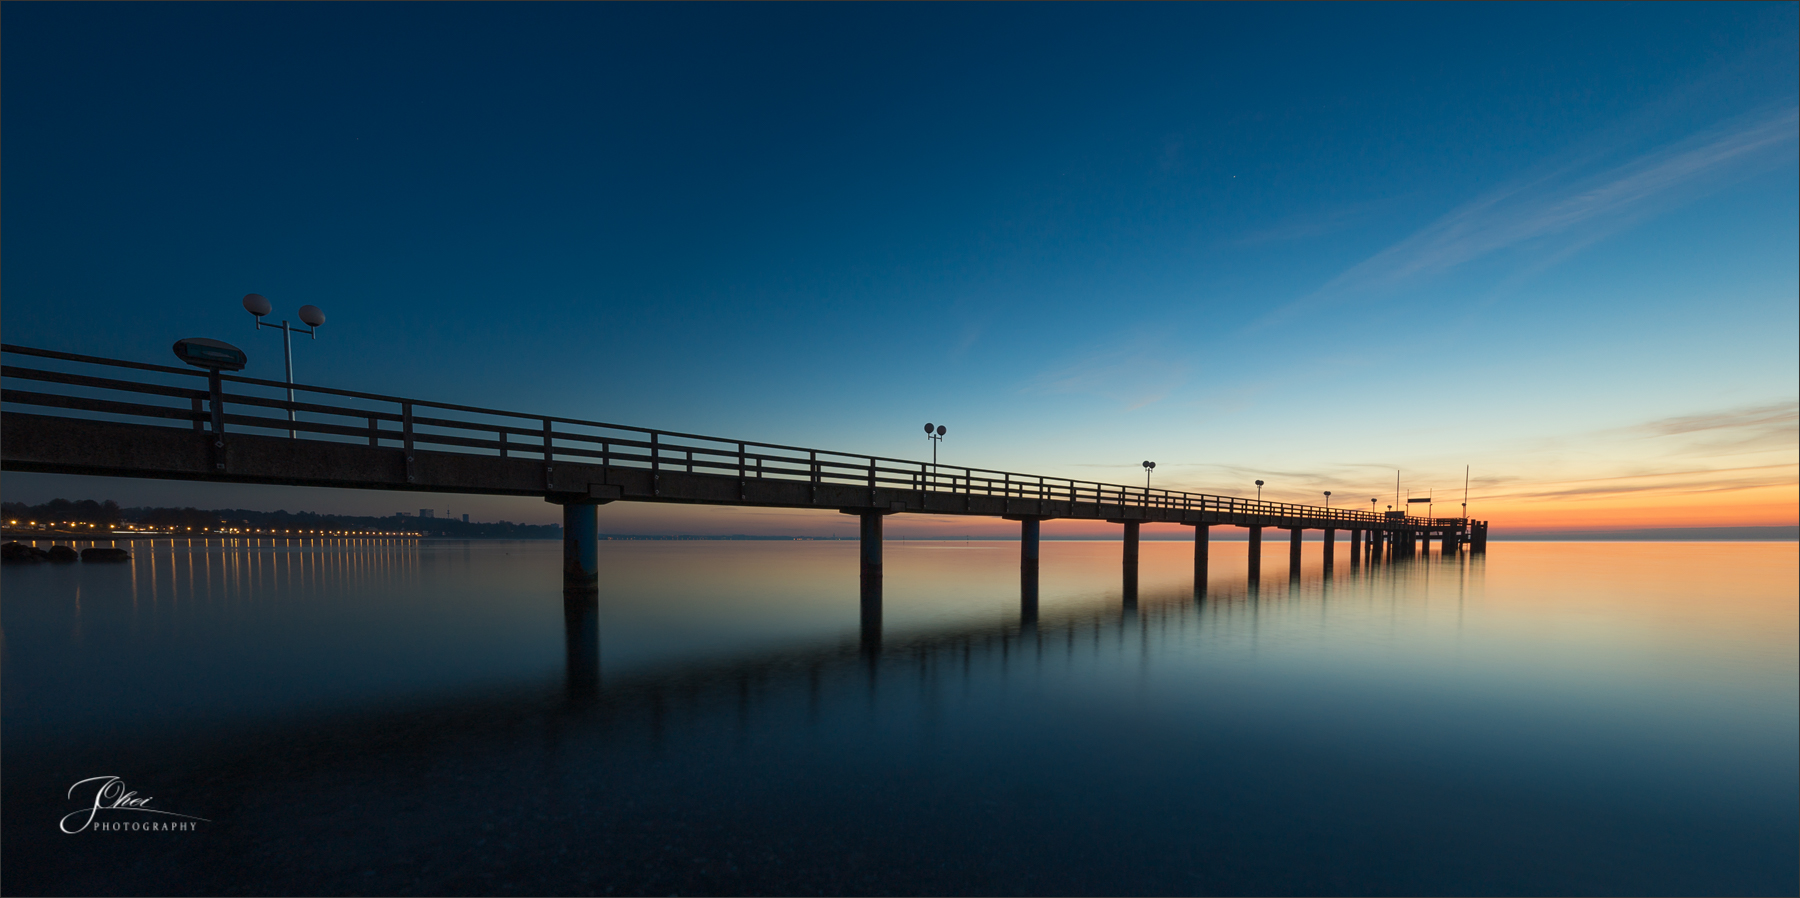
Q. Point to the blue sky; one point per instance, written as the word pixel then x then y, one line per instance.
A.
pixel 1310 244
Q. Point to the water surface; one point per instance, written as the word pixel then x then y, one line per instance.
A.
pixel 378 717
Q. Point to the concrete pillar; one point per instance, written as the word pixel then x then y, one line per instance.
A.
pixel 1294 534
pixel 1255 555
pixel 1330 548
pixel 1202 541
pixel 1131 563
pixel 1355 547
pixel 1028 543
pixel 1424 542
pixel 871 581
pixel 1028 571
pixel 581 547
pixel 871 546
pixel 1376 538
pixel 1478 534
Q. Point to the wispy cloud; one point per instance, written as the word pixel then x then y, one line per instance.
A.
pixel 1682 481
pixel 1568 207
pixel 1781 416
pixel 1554 205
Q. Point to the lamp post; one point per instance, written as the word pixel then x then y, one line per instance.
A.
pixel 936 436
pixel 1259 491
pixel 1328 499
pixel 258 306
pixel 1148 467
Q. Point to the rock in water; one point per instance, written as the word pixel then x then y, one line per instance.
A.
pixel 62 554
pixel 21 552
pixel 102 554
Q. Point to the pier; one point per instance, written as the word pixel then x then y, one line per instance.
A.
pixel 64 413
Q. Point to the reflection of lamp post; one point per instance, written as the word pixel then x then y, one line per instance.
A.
pixel 1259 491
pixel 1148 467
pixel 257 305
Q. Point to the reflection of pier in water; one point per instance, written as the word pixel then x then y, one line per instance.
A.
pixel 212 569
pixel 555 743
pixel 1064 634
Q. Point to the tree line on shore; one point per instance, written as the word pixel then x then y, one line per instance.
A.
pixel 60 512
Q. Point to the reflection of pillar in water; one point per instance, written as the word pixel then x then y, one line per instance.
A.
pixel 581 638
pixel 871 616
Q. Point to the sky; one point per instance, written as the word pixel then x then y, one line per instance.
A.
pixel 1314 245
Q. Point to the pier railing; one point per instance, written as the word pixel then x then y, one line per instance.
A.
pixel 116 390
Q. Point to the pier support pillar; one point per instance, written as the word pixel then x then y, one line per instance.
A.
pixel 581 547
pixel 1294 534
pixel 1424 542
pixel 1478 537
pixel 1130 557
pixel 1330 549
pixel 1028 570
pixel 1202 542
pixel 1376 538
pixel 871 546
pixel 1255 555
pixel 1355 548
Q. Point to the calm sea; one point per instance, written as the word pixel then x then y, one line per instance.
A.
pixel 429 717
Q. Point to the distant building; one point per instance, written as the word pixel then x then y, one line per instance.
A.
pixel 465 519
pixel 403 514
pixel 428 513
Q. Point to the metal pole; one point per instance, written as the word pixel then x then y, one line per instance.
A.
pixel 287 348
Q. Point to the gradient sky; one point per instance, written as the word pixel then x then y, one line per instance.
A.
pixel 1306 244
